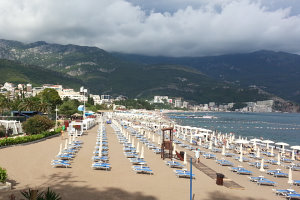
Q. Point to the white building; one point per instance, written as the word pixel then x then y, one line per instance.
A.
pixel 178 103
pixel 161 99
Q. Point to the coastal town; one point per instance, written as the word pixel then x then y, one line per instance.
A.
pixel 13 91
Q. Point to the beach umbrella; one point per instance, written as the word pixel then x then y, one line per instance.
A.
pixel 129 139
pixel 158 140
pixel 295 147
pixel 283 144
pixel 66 144
pixel 227 145
pixel 142 152
pixel 241 153
pixel 267 142
pixel 60 149
pixel 191 140
pixel 290 181
pixel 216 142
pixel 200 141
pixel 138 147
pixel 272 151
pixel 223 150
pixel 278 158
pixel 174 149
pixel 262 166
pixel 133 143
pixel 210 145
pixel 184 160
pixel 258 153
pixel 293 151
pixel 153 138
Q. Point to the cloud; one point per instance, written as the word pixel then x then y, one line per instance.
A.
pixel 195 29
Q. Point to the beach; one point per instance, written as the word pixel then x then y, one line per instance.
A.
pixel 29 166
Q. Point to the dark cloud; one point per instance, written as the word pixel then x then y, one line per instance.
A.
pixel 172 28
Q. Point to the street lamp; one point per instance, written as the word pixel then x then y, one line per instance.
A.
pixel 56 117
pixel 84 92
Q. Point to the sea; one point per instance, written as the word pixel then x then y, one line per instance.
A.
pixel 278 127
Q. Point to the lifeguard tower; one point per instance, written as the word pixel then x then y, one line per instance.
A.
pixel 167 144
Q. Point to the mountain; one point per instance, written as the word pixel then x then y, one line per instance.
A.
pixel 15 72
pixel 103 72
pixel 275 72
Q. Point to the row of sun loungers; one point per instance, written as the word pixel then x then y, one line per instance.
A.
pixel 138 162
pixel 100 158
pixel 66 155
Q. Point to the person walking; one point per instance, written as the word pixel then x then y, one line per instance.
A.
pixel 197 156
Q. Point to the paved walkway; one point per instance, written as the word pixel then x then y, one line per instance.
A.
pixel 212 174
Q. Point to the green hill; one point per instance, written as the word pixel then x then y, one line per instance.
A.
pixel 103 72
pixel 11 71
pixel 274 72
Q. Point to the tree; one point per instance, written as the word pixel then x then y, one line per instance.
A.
pixel 69 107
pixel 51 97
pixel 4 103
pixel 29 104
pixel 37 124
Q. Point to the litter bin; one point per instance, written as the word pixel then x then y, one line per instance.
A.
pixel 182 154
pixel 219 179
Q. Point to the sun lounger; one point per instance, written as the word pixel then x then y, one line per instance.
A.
pixel 244 172
pixel 293 196
pixel 266 182
pixel 235 169
pixel 185 174
pixel 103 166
pixel 296 182
pixel 284 192
pixel 256 178
pixel 143 170
pixel 229 154
pixel 209 156
pixel 61 164
pixel 174 164
pixel 272 172
pixel 225 163
pixel 280 174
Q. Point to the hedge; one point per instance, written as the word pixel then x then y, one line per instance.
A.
pixel 27 138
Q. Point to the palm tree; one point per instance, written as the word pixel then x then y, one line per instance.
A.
pixel 28 104
pixel 43 107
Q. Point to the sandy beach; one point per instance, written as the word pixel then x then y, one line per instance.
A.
pixel 29 166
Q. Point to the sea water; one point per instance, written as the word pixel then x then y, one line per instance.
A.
pixel 278 127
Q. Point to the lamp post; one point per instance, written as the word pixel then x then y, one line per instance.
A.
pixel 56 117
pixel 84 92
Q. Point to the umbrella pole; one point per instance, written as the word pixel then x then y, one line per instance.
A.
pixel 191 182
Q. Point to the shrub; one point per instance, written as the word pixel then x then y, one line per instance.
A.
pixel 28 138
pixel 3 175
pixel 44 195
pixel 37 124
pixel 2 131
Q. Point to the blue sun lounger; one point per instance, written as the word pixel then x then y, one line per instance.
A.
pixel 281 192
pixel 243 172
pixel 280 174
pixel 143 170
pixel 293 196
pixel 296 182
pixel 60 163
pixel 266 182
pixel 209 155
pixel 174 164
pixel 103 166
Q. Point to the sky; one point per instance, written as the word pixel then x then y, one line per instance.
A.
pixel 157 27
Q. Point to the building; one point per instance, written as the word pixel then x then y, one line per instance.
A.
pixel 178 103
pixel 161 99
pixel 185 104
pixel 29 87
